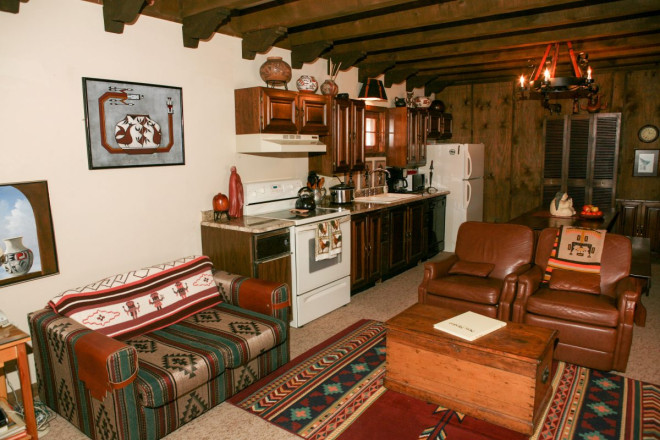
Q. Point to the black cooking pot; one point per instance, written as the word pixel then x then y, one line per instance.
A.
pixel 305 199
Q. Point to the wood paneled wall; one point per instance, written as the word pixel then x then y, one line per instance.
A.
pixel 512 131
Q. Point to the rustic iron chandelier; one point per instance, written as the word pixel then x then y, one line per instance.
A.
pixel 564 87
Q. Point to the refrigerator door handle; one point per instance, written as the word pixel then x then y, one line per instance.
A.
pixel 468 171
pixel 468 193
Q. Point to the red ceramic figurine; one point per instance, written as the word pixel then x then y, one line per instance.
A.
pixel 235 195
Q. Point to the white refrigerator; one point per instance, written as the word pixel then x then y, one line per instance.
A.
pixel 458 168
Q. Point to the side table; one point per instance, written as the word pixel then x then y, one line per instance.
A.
pixel 13 344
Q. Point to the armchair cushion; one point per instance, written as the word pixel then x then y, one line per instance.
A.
pixel 582 308
pixel 471 268
pixel 142 300
pixel 576 281
pixel 468 288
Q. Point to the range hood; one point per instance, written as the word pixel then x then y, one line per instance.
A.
pixel 279 143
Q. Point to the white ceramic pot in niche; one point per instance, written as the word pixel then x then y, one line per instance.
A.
pixel 17 259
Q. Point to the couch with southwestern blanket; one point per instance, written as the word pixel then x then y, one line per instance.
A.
pixel 137 355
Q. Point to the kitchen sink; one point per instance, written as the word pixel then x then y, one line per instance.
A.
pixel 386 198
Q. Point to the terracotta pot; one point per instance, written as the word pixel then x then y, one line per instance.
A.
pixel 220 202
pixel 307 84
pixel 329 87
pixel 275 71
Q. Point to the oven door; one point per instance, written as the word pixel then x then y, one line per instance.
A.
pixel 311 274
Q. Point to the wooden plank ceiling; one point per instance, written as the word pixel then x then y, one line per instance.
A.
pixel 428 43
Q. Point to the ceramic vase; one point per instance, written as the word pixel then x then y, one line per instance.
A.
pixel 422 102
pixel 18 258
pixel 307 84
pixel 275 72
pixel 329 87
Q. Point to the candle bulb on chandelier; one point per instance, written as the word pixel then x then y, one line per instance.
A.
pixel 589 73
pixel 522 81
pixel 546 75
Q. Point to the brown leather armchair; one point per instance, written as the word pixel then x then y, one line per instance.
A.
pixel 594 317
pixel 482 274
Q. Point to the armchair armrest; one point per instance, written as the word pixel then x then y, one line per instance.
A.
pixel 528 283
pixel 433 270
pixel 628 293
pixel 267 297
pixel 102 363
pixel 508 294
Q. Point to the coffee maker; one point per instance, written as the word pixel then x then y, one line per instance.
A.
pixel 396 181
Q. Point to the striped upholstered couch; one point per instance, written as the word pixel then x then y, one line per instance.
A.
pixel 137 355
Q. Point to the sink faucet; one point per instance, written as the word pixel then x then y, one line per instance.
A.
pixel 380 169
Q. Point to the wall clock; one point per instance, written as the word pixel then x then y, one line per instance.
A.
pixel 648 133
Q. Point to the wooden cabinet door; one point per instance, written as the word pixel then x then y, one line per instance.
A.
pixel 278 111
pixel 652 224
pixel 629 212
pixel 374 130
pixel 341 134
pixel 415 226
pixel 277 270
pixel 398 238
pixel 440 125
pixel 313 114
pixel 357 135
pixel 359 251
pixel 374 233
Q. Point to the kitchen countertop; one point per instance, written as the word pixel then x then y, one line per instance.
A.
pixel 257 225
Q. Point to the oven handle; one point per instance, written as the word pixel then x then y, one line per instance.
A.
pixel 311 226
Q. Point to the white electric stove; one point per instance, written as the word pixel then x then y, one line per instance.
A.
pixel 318 287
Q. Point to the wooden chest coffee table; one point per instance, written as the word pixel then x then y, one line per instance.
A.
pixel 503 377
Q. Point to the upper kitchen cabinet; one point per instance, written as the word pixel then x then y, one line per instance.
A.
pixel 406 136
pixel 265 110
pixel 346 140
pixel 375 124
pixel 440 125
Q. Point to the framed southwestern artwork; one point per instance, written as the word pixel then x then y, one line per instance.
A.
pixel 27 241
pixel 132 124
pixel 646 163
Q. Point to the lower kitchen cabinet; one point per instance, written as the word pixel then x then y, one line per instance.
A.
pixel 640 218
pixel 266 256
pixel 406 229
pixel 365 249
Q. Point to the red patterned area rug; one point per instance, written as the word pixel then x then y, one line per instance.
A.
pixel 335 391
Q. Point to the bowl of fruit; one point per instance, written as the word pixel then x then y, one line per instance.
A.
pixel 591 212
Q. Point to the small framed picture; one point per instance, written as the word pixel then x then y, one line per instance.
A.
pixel 646 163
pixel 132 124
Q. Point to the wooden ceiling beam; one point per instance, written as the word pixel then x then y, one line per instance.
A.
pixel 307 53
pixel 260 41
pixel 202 25
pixel 346 60
pixel 116 13
pixel 566 18
pixel 579 33
pixel 372 70
pixel 417 81
pixel 302 12
pixel 441 13
pixel 11 6
pixel 398 75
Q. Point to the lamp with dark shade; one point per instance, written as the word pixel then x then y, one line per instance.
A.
pixel 373 90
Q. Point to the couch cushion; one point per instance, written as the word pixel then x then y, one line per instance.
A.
pixel 575 281
pixel 179 358
pixel 470 268
pixel 584 308
pixel 467 288
pixel 142 300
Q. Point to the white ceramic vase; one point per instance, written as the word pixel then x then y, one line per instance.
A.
pixel 18 258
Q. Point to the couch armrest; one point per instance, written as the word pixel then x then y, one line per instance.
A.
pixel 528 283
pixel 267 297
pixel 102 363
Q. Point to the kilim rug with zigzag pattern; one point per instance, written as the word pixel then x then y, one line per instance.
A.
pixel 335 391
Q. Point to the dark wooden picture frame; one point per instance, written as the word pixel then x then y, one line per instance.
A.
pixel 24 202
pixel 646 163
pixel 132 124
